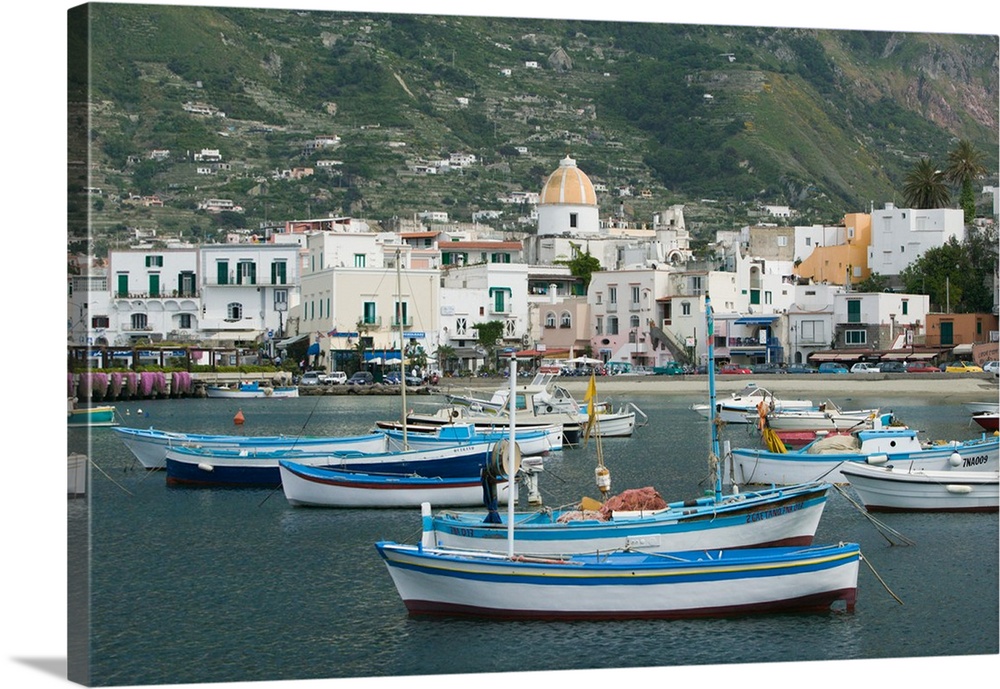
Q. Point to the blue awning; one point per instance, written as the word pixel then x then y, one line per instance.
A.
pixel 756 320
pixel 313 349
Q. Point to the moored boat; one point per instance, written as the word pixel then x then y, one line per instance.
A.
pixel 734 409
pixel 101 415
pixel 987 420
pixel 149 445
pixel 324 486
pixel 532 441
pixel 251 390
pixel 898 489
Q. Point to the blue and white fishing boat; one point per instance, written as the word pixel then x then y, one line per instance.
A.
pixel 325 486
pixel 617 585
pixel 241 467
pixel 822 459
pixel 251 390
pixel 623 585
pixel 150 445
pixel 767 517
pixel 890 488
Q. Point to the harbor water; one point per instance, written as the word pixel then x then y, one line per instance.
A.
pixel 222 584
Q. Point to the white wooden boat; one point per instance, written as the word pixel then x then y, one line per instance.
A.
pixel 734 409
pixel 542 396
pixel 150 445
pixel 100 415
pixel 828 417
pixel 323 486
pixel 623 585
pixel 251 390
pixel 981 407
pixel 532 441
pixel 823 458
pixel 895 488
pixel 486 421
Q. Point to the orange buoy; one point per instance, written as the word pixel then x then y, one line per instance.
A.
pixel 238 419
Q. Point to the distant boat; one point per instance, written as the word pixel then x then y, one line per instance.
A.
pixel 227 467
pixel 892 488
pixel 988 420
pixel 983 407
pixel 103 415
pixel 823 458
pixel 324 486
pixel 150 445
pixel 251 390
pixel 734 409
pixel 828 417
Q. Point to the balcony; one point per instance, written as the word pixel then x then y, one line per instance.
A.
pixel 164 294
pixel 407 322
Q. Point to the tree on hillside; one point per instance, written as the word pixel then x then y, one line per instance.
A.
pixel 965 164
pixel 925 186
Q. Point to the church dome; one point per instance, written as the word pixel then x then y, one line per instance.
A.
pixel 568 184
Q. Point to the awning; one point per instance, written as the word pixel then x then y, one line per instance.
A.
pixel 232 336
pixel 290 340
pixel 830 357
pixel 756 320
pixel 908 356
pixel 313 349
pixel 962 350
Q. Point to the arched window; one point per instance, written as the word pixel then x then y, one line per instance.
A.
pixel 550 320
pixel 566 320
pixel 633 322
pixel 234 311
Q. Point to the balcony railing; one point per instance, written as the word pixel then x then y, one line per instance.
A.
pixel 163 294
pixel 407 322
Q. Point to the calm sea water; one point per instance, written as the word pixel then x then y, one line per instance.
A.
pixel 216 585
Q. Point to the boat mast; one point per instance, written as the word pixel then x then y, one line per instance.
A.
pixel 402 349
pixel 510 457
pixel 710 329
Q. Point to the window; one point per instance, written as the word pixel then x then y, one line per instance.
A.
pixel 906 306
pixel 138 321
pixel 782 241
pixel 809 241
pixel 572 219
pixel 853 310
pixel 461 325
pixel 599 327
pixel 154 261
pixel 685 308
pixel 100 322
pixel 154 284
pixel 612 295
pixel 500 296
pixel 184 321
pixel 369 313
pixel 222 272
pixel 767 296
pixel 811 331
pixel 281 300
pixel 598 298
pixel 550 320
pixel 400 314
pixel 234 311
pixel 565 321
pixel 635 295
pixel 185 284
pixel 633 322
pixel 359 260
pixel 279 273
pixel 612 325
pixel 855 337
pixel 122 284
pixel 246 272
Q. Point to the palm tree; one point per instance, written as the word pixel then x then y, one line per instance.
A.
pixel 925 186
pixel 965 164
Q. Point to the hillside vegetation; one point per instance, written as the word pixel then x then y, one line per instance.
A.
pixel 721 119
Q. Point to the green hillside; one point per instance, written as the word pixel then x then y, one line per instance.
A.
pixel 823 121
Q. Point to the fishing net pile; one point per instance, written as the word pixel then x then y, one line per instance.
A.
pixel 634 500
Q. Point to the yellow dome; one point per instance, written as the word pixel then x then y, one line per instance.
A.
pixel 568 184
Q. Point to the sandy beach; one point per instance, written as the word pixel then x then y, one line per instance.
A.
pixel 946 387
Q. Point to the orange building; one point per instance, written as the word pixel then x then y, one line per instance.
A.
pixel 847 256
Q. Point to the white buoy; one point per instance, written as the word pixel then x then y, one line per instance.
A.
pixel 205 466
pixel 957 489
pixel 955 460
pixel 877 459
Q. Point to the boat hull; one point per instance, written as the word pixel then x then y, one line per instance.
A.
pixel 624 585
pixel 538 441
pixel 988 421
pixel 221 392
pixel 150 446
pixel 757 466
pixel 883 489
pixel 328 487
pixel 190 466
pixel 92 416
pixel 771 517
pixel 797 420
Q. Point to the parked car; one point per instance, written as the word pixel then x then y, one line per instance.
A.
pixel 921 367
pixel 670 368
pixel 311 378
pixel 335 378
pixel 801 368
pixel 361 378
pixel 734 369
pixel 892 367
pixel 864 367
pixel 767 368
pixel 831 367
pixel 992 367
pixel 962 367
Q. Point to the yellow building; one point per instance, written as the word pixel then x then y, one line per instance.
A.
pixel 844 253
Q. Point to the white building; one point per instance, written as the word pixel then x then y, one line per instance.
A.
pixel 568 202
pixel 154 295
pixel 901 235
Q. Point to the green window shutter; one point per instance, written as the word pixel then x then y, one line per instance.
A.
pixel 123 285
pixel 222 272
pixel 154 285
pixel 853 310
